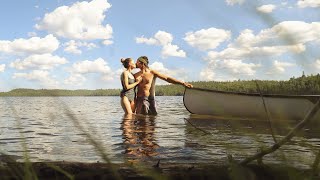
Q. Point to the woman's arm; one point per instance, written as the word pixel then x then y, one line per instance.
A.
pixel 128 86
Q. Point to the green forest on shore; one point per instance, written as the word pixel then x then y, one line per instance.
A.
pixel 302 85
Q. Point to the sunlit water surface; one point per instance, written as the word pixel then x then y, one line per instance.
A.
pixel 68 128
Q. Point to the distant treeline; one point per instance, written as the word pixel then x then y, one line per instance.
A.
pixel 61 92
pixel 301 85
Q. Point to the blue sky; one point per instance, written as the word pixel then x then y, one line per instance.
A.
pixel 78 44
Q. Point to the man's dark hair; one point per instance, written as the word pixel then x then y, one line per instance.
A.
pixel 144 60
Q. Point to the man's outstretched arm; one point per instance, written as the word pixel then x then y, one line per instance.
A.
pixel 171 80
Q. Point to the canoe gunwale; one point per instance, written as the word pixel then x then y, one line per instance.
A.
pixel 256 94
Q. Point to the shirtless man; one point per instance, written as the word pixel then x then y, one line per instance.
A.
pixel 145 103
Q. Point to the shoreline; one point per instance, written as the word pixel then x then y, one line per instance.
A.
pixel 98 170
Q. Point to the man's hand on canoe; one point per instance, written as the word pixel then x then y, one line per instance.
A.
pixel 188 85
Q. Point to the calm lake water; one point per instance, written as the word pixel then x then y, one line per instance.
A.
pixel 60 128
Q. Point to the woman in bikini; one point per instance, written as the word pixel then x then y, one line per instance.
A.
pixel 129 83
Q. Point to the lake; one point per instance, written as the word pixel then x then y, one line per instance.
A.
pixel 74 128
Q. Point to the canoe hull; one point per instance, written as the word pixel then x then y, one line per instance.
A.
pixel 242 105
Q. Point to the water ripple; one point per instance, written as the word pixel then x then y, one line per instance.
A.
pixel 52 135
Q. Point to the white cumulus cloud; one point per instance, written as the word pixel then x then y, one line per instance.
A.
pixel 308 3
pixel 239 67
pixel 34 45
pixel 79 70
pixel 107 42
pixel 172 50
pixel 163 39
pixel 75 80
pixel 317 64
pixel 2 67
pixel 97 66
pixel 268 8
pixel 231 67
pixel 73 46
pixel 245 39
pixel 233 2
pixel 207 74
pixel 296 31
pixel 280 41
pixel 158 66
pixel 143 40
pixel 284 33
pixel 255 52
pixel 205 39
pixel 82 20
pixel 40 76
pixel 279 67
pixel 39 61
pixel 179 74
pixel 285 37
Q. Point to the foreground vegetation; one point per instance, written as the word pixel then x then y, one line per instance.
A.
pixel 301 85
pixel 77 170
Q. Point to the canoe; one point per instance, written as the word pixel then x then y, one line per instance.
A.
pixel 247 105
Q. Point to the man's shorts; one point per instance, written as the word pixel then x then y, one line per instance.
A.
pixel 146 105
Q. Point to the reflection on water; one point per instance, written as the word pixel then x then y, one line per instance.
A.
pixel 172 136
pixel 139 136
pixel 243 138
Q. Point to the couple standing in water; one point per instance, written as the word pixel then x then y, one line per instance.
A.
pixel 137 95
